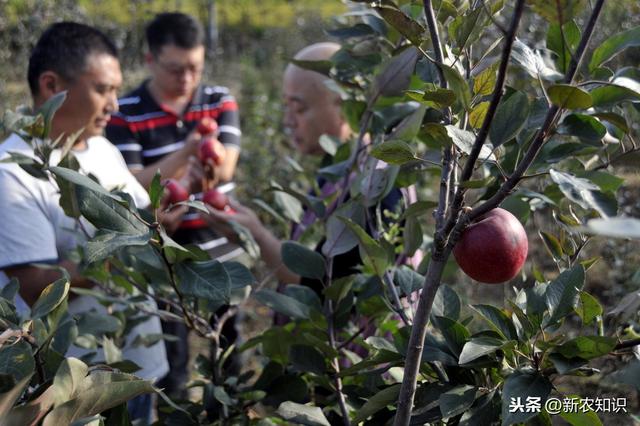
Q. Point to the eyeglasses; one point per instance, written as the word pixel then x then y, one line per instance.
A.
pixel 179 70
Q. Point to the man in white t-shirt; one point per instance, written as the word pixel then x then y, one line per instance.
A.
pixel 33 227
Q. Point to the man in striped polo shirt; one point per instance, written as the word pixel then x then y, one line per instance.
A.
pixel 155 128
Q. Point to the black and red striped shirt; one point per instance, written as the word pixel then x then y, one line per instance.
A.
pixel 145 131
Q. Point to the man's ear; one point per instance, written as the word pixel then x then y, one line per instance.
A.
pixel 49 83
pixel 148 58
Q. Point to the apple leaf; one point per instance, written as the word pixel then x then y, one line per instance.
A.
pixel 570 97
pixel 208 280
pixel 283 304
pixel 303 261
pixel 614 45
pixel 519 387
pixel 562 294
pixel 478 347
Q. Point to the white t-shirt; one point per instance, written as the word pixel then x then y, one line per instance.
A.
pixel 34 228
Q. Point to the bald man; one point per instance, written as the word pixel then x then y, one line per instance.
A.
pixel 311 110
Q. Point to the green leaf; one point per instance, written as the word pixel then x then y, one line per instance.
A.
pixel 621 89
pixel 478 347
pixel 498 320
pixel 409 281
pixel 588 308
pixel 582 191
pixel 614 45
pixel 9 398
pixel 629 375
pixel 96 324
pixel 587 347
pixel 478 114
pixel 585 127
pixel 457 400
pixel 419 208
pixel 518 387
pixel 67 380
pixel 613 118
pixel 563 43
pixel 485 82
pixel 580 417
pixel 329 144
pixel 464 140
pixel 341 239
pixel 283 304
pixel 396 73
pixel 616 227
pixel 552 245
pixel 104 243
pixel 404 24
pixel 570 97
pixel 303 261
pixel 208 280
pixel 372 253
pixel 83 181
pixel 97 396
pixel 291 207
pixel 52 296
pixel 377 402
pixel 558 11
pixel 156 190
pixel 302 414
pixel 393 152
pixel 433 96
pixel 10 289
pixel 532 62
pixel 458 85
pixel 16 360
pixel 446 302
pixel 562 294
pixel 322 67
pixel 305 358
pixel 339 288
pixel 466 28
pixel 455 334
pixel 48 110
pixel 510 117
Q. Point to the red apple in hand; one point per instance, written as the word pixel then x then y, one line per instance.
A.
pixel 177 192
pixel 215 199
pixel 493 249
pixel 211 149
pixel 207 126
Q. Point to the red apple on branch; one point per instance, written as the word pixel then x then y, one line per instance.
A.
pixel 493 249
pixel 215 199
pixel 177 192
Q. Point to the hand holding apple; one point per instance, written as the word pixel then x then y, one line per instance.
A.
pixel 176 192
pixel 493 249
pixel 210 147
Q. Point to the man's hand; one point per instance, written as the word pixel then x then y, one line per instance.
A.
pixel 171 219
pixel 219 220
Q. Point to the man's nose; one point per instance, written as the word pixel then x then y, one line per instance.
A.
pixel 112 102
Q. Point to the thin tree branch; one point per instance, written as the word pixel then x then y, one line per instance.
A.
pixel 545 130
pixel 496 97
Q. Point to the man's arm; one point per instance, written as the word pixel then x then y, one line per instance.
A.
pixel 270 245
pixel 229 136
pixel 33 279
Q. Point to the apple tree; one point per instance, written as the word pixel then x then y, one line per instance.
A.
pixel 449 98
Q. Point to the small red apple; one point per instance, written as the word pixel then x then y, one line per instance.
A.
pixel 493 249
pixel 177 192
pixel 207 126
pixel 211 149
pixel 215 199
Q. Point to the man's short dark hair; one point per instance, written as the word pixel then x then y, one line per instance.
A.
pixel 63 48
pixel 174 28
